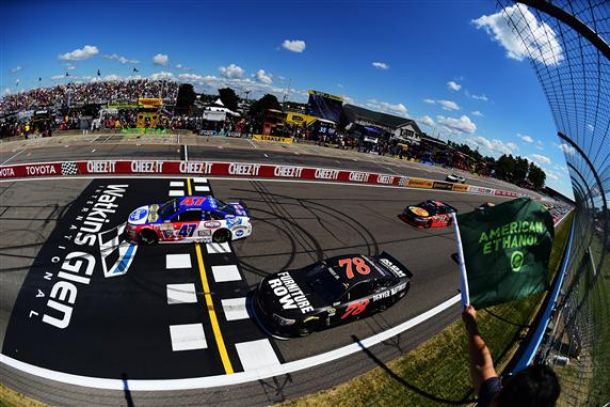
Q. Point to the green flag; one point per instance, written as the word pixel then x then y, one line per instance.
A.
pixel 506 251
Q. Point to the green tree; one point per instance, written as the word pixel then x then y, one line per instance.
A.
pixel 520 171
pixel 536 176
pixel 229 98
pixel 505 166
pixel 185 99
pixel 268 101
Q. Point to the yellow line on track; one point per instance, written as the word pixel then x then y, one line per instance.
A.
pixel 220 343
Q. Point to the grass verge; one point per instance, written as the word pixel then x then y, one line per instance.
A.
pixel 10 398
pixel 436 372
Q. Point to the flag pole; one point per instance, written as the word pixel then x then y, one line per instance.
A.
pixel 461 263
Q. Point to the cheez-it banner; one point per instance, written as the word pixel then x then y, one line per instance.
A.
pixel 228 169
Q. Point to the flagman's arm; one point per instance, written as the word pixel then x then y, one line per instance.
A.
pixel 481 362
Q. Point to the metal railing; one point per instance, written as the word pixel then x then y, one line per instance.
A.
pixel 567 42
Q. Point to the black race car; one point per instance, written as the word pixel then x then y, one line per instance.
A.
pixel 328 293
pixel 428 214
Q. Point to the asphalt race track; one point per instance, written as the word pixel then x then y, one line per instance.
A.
pixel 90 308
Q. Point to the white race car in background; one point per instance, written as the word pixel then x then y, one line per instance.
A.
pixel 456 178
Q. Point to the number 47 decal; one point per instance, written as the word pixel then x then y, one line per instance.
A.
pixel 187 230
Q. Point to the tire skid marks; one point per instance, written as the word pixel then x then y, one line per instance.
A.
pixel 247 346
pixel 246 343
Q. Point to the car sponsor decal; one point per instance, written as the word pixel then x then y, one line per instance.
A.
pixel 381 295
pixel 153 213
pixel 212 224
pixel 421 212
pixel 291 295
pixel 138 215
pixel 398 288
pixel 392 267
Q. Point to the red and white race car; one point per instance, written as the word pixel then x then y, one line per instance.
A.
pixel 189 219
pixel 428 214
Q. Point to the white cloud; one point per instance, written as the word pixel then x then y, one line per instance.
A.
pixel 160 59
pixel 538 39
pixel 191 77
pixel 113 77
pixel 163 75
pixel 294 45
pixel 386 107
pixel 525 138
pixel 427 120
pixel 7 91
pixel 232 71
pixel 567 149
pixel 540 159
pixel 457 125
pixel 492 147
pixel 478 97
pixel 477 113
pixel 123 60
pixel 70 67
pixel 381 65
pixel 57 77
pixel 80 54
pixel 16 69
pixel 264 77
pixel 448 104
pixel 454 86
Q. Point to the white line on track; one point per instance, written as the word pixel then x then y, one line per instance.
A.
pixel 235 378
pixel 253 145
pixel 13 156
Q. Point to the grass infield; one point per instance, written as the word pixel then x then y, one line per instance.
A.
pixel 436 372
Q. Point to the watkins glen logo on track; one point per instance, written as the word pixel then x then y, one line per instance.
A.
pixel 82 245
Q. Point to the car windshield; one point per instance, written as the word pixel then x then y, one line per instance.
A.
pixel 322 281
pixel 429 207
pixel 224 207
pixel 168 209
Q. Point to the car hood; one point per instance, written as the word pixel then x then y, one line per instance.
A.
pixel 143 215
pixel 417 211
pixel 288 295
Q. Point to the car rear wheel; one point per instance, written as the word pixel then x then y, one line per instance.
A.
pixel 148 237
pixel 221 236
pixel 303 332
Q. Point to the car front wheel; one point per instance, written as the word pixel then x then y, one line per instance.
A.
pixel 148 237
pixel 221 236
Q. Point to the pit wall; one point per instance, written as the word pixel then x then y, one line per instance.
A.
pixel 231 169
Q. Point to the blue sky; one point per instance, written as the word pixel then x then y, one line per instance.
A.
pixel 450 65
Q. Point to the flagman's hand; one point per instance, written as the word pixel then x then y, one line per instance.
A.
pixel 469 316
pixel 481 362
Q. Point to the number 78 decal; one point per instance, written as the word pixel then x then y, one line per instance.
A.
pixel 361 267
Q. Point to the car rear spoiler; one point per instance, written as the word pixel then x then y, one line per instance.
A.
pixel 395 267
